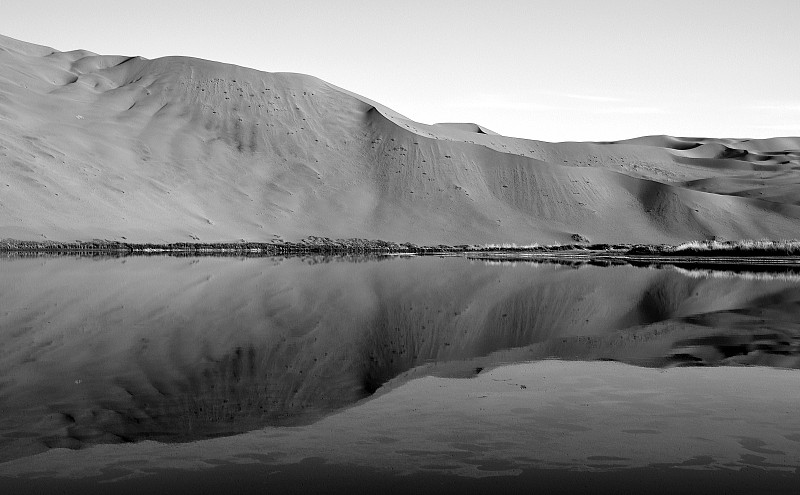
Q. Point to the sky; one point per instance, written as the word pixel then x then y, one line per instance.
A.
pixel 568 70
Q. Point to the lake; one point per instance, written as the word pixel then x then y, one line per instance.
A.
pixel 431 371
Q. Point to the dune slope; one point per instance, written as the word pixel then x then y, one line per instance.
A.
pixel 180 149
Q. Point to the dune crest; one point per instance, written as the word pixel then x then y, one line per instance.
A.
pixel 181 149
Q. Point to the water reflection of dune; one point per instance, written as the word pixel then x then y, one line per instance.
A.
pixel 179 349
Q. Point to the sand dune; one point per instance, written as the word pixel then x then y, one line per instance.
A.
pixel 468 127
pixel 182 149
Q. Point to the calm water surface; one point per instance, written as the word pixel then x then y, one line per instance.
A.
pixel 110 351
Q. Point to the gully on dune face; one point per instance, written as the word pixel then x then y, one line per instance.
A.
pixel 466 344
pixel 180 150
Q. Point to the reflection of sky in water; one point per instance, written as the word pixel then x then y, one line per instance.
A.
pixel 117 350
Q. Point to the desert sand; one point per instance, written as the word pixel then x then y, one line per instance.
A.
pixel 134 368
pixel 180 149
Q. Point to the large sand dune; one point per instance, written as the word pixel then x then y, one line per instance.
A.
pixel 181 149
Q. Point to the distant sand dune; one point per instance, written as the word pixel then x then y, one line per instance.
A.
pixel 182 149
pixel 468 127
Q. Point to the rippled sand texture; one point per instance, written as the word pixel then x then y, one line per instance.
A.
pixel 178 149
pixel 118 350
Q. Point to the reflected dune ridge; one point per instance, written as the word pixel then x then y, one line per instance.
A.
pixel 175 350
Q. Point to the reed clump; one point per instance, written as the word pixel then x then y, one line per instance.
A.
pixel 763 247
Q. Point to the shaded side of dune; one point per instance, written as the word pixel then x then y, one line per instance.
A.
pixel 182 149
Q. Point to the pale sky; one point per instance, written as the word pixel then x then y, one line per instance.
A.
pixel 549 70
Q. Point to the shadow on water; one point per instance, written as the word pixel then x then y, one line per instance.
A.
pixel 177 349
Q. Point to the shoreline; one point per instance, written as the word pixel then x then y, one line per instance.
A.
pixel 759 253
pixel 310 245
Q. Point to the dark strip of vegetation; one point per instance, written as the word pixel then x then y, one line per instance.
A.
pixel 310 245
pixel 307 246
pixel 326 246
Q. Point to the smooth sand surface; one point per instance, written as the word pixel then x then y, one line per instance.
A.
pixel 181 149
